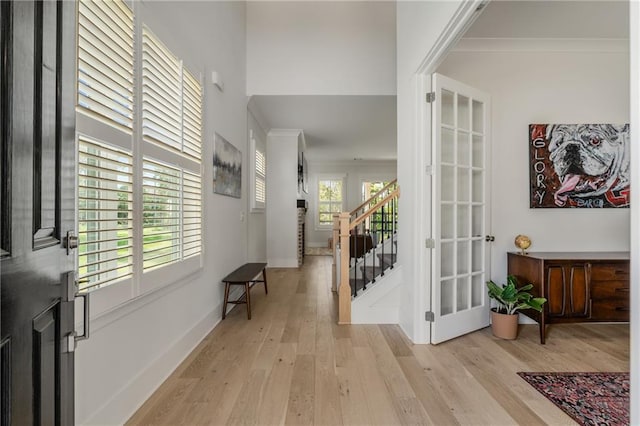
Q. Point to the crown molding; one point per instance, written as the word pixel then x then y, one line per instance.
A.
pixel 284 132
pixel 542 45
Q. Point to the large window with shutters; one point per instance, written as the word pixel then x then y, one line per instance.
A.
pixel 139 124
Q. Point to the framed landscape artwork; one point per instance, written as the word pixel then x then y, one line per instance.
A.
pixel 227 168
pixel 579 165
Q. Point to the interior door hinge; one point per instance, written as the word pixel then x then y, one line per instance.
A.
pixel 429 169
pixel 429 316
pixel 431 97
pixel 430 243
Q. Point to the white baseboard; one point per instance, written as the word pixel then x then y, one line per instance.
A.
pixel 133 394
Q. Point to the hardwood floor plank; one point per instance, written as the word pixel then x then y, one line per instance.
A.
pixel 397 341
pixel 161 404
pixel 300 409
pixel 327 409
pixel 273 405
pixel 427 391
pixel 245 410
pixel 307 337
pixel 387 364
pixel 488 374
pixel 291 363
pixel 353 404
pixel 379 399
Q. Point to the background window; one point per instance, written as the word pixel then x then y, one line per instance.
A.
pixel 369 189
pixel 329 200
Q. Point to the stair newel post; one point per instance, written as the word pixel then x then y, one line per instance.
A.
pixel 334 239
pixel 344 291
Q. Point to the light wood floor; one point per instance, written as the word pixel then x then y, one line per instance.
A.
pixel 292 364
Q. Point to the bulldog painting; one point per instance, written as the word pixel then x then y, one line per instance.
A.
pixel 579 165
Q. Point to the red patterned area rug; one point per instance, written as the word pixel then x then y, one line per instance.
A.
pixel 588 398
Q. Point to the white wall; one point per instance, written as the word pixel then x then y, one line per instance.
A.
pixel 256 219
pixel 419 25
pixel 320 47
pixel 134 348
pixel 282 193
pixel 355 173
pixel 544 87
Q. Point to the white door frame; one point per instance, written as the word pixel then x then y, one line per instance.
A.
pixel 454 30
pixel 634 39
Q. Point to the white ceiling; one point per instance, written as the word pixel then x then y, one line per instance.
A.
pixel 552 19
pixel 364 127
pixel 335 127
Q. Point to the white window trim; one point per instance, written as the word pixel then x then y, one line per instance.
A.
pixel 316 198
pixel 256 144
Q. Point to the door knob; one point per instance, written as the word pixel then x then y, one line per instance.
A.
pixel 71 241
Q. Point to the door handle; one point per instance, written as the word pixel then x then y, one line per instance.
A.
pixel 71 242
pixel 70 294
pixel 85 318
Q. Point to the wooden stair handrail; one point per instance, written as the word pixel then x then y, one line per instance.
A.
pixel 375 208
pixel 354 211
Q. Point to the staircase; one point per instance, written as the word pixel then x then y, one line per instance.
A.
pixel 366 252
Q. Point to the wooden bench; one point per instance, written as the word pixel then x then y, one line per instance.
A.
pixel 244 275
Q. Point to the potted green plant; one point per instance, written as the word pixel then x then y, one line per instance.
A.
pixel 510 299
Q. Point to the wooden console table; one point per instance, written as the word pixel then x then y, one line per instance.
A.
pixel 579 286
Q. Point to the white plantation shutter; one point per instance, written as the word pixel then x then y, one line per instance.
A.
pixel 161 93
pixel 161 214
pixel 191 115
pixel 168 134
pixel 105 213
pixel 105 62
pixel 192 214
pixel 260 179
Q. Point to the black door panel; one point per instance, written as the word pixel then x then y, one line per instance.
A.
pixel 38 206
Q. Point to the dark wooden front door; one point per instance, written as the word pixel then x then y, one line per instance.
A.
pixel 38 208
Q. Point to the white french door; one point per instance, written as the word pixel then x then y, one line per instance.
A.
pixel 460 259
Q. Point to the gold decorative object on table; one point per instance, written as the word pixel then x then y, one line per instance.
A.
pixel 523 242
